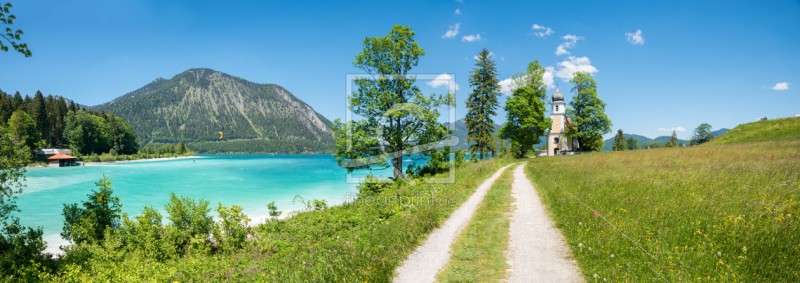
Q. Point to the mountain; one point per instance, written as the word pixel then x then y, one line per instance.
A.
pixel 609 143
pixel 719 132
pixel 462 133
pixel 195 105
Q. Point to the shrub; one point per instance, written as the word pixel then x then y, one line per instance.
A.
pixel 190 216
pixel 105 157
pixel 461 156
pixel 232 229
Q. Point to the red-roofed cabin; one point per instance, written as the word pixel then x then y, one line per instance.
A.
pixel 62 160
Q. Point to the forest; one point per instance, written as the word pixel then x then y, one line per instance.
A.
pixel 54 122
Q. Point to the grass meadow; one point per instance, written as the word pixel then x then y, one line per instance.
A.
pixel 360 241
pixel 478 252
pixel 709 213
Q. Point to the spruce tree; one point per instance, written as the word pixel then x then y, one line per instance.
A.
pixel 481 104
pixel 619 142
pixel 673 141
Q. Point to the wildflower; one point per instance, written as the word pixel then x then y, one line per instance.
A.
pixel 595 214
pixel 580 223
pixel 580 245
pixel 612 255
pixel 590 248
pixel 595 275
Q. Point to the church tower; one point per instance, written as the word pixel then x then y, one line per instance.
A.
pixel 556 139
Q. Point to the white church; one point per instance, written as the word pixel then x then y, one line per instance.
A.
pixel 557 142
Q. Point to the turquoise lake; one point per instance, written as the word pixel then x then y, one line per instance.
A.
pixel 250 181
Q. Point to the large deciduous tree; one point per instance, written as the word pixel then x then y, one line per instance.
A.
pixel 481 105
pixel 526 120
pixel 397 118
pixel 23 130
pixel 587 111
pixel 702 134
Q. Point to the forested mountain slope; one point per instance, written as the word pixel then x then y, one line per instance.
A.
pixel 198 103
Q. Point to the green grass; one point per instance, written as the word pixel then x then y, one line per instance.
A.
pixel 783 129
pixel 357 241
pixel 478 251
pixel 724 213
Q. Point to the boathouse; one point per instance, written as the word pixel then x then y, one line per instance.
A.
pixel 62 160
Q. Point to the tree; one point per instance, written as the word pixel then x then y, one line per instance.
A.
pixel 101 212
pixel 398 119
pixel 525 109
pixel 181 148
pixel 701 134
pixel 633 143
pixel 38 112
pixel 587 111
pixel 619 142
pixel 24 130
pixel 481 104
pixel 673 141
pixel 12 37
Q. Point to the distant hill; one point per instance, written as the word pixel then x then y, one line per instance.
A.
pixel 196 104
pixel 770 130
pixel 609 143
pixel 461 133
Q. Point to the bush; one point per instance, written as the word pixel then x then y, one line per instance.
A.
pixel 232 229
pixel 94 157
pixel 190 216
pixel 18 247
pixel 516 150
pixel 372 185
pixel 105 157
pixel 461 156
pixel 89 223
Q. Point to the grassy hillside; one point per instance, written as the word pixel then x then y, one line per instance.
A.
pixel 723 213
pixel 783 129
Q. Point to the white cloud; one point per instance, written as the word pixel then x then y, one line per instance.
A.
pixel 567 69
pixel 507 86
pixel 571 40
pixel 781 86
pixel 460 1
pixel 678 129
pixel 471 38
pixel 452 32
pixel 541 31
pixel 635 38
pixel 549 75
pixel 491 54
pixel 503 58
pixel 458 12
pixel 443 80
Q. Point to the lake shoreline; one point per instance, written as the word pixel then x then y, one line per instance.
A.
pixel 95 163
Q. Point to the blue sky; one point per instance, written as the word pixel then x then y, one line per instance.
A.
pixel 683 64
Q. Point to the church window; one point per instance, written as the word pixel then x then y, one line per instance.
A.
pixel 556 108
pixel 556 140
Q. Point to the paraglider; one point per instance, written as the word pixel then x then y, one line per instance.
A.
pixel 220 135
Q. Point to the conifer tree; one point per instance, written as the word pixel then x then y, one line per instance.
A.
pixel 181 148
pixel 673 141
pixel 619 142
pixel 481 104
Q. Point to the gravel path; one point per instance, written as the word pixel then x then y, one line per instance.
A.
pixel 537 251
pixel 427 259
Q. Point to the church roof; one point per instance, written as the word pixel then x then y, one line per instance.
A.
pixel 558 96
